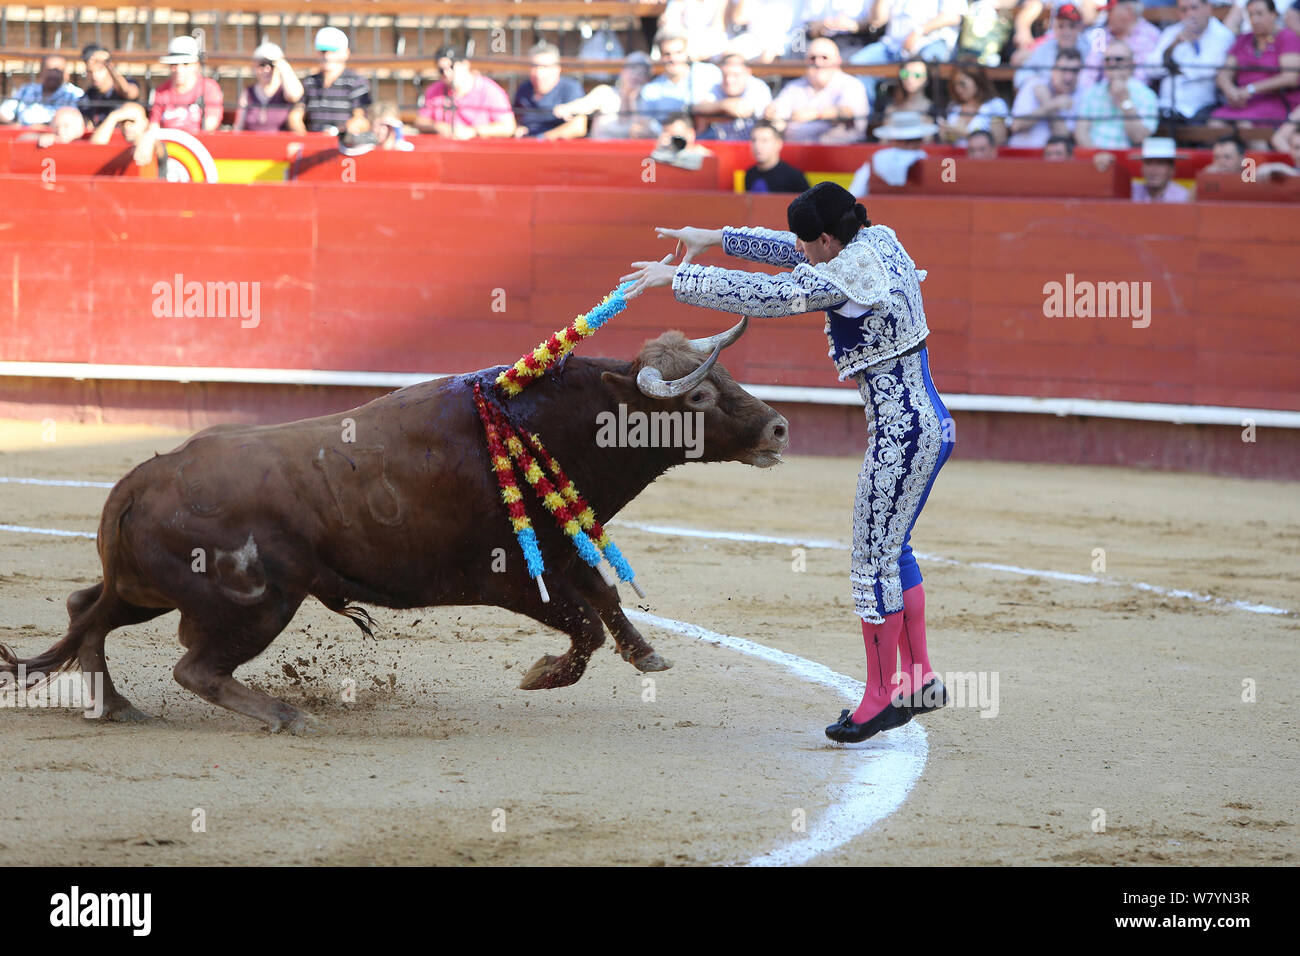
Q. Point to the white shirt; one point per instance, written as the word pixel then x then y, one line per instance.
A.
pixel 1193 89
pixel 905 16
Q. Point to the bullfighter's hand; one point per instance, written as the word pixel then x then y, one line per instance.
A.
pixel 649 275
pixel 690 240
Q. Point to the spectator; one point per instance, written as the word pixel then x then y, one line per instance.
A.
pixel 980 145
pixel 1229 152
pixel 682 84
pixel 335 94
pixel 1158 156
pixel 1046 109
pixel 189 100
pixel 677 146
pixel 67 126
pixel 973 105
pixel 1124 24
pixel 265 105
pixel 702 22
pixel 765 30
pixel 909 95
pixel 1269 170
pixel 465 104
pixel 612 110
pixel 1237 19
pixel 105 88
pixel 33 104
pixel 770 173
pixel 129 120
pixel 544 90
pixel 1058 149
pixel 847 22
pixel 825 105
pixel 924 28
pixel 388 129
pixel 1259 77
pixel 1119 113
pixel 1186 60
pixel 734 102
pixel 1282 136
pixel 1066 34
pixel 902 136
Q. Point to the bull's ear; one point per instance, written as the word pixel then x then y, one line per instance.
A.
pixel 623 387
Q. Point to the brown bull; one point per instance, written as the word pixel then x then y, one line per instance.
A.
pixel 239 524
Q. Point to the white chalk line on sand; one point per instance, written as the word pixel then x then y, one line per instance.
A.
pixel 939 559
pixel 790 542
pixel 880 782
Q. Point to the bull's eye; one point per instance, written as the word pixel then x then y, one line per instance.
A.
pixel 697 398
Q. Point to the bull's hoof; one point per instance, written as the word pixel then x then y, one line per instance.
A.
pixel 652 662
pixel 300 725
pixel 547 674
pixel 126 713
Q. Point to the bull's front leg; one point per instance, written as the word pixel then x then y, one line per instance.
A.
pixel 605 599
pixel 567 611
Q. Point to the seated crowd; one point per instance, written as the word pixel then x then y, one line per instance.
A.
pixel 1101 77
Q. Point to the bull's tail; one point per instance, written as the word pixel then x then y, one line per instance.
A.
pixel 62 655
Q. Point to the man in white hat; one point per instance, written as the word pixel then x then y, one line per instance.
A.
pixel 334 97
pixel 1158 155
pixel 902 136
pixel 189 100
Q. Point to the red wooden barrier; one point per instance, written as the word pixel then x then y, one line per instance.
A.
pixel 410 278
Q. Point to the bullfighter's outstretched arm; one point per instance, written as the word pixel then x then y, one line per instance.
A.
pixel 772 246
pixel 756 293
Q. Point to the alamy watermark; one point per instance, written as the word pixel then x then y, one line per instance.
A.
pixel 1099 300
pixel 80 691
pixel 638 429
pixel 208 300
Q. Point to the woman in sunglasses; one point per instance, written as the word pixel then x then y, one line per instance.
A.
pixel 875 323
pixel 909 95
pixel 265 104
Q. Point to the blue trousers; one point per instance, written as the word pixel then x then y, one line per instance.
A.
pixel 910 436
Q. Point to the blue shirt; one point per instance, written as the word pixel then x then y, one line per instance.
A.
pixel 535 112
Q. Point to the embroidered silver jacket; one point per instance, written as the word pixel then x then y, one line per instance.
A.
pixel 873 270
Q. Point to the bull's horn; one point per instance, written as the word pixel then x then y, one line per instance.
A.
pixel 651 381
pixel 722 339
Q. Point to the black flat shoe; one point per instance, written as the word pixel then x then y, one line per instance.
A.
pixel 845 731
pixel 931 696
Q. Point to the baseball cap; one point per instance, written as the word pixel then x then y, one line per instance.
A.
pixel 1068 11
pixel 182 49
pixel 268 51
pixel 331 40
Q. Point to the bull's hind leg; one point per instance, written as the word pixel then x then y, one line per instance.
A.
pixel 604 598
pixel 108 613
pixel 216 650
pixel 569 612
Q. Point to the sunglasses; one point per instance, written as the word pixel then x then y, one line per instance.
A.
pixel 818 58
pixel 912 74
pixel 1118 60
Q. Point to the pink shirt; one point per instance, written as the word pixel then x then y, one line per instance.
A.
pixel 173 110
pixel 484 103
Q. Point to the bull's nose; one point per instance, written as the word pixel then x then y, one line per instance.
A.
pixel 778 432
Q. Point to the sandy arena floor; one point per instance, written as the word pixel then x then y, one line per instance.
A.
pixel 1110 698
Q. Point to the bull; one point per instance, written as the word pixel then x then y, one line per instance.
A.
pixel 239 524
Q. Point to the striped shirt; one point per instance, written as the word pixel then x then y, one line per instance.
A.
pixel 332 106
